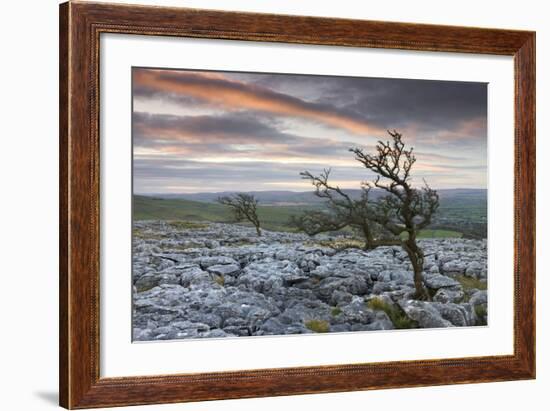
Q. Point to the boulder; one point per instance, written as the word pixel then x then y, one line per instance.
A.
pixel 357 312
pixel 206 262
pixel 437 281
pixel 193 275
pixel 479 302
pixel 479 298
pixel 339 297
pixel 146 282
pixel 224 269
pixel 424 313
pixel 399 277
pixel 356 285
pixel 454 267
pixel 459 315
pixel 381 322
pixel 476 270
pixel 449 295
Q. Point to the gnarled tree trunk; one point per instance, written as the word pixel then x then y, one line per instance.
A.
pixel 416 256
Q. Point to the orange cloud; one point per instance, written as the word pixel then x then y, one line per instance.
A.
pixel 467 129
pixel 235 95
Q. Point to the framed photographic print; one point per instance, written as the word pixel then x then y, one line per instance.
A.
pixel 257 205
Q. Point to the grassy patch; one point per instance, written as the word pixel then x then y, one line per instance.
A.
pixel 439 234
pixel 143 288
pixel 187 225
pixel 469 283
pixel 149 235
pixel 336 311
pixel 481 313
pixel 435 234
pixel 346 243
pixel 342 244
pixel 397 316
pixel 152 208
pixel 220 280
pixel 318 326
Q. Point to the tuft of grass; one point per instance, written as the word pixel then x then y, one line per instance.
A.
pixel 318 326
pixel 138 233
pixel 481 312
pixel 144 288
pixel 343 243
pixel 469 283
pixel 220 280
pixel 336 311
pixel 397 316
pixel 187 225
pixel 378 304
pixel 437 233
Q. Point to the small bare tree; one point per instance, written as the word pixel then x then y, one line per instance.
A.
pixel 342 211
pixel 244 206
pixel 394 219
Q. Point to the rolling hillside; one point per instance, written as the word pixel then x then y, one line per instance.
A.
pixel 153 208
pixel 276 217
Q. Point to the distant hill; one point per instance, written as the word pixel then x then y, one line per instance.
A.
pixel 281 197
pixel 156 208
pixel 265 197
pixel 461 211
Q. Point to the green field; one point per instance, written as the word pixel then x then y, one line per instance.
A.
pixel 149 208
pixel 272 217
pixel 452 209
pixel 439 234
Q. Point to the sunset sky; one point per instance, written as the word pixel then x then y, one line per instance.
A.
pixel 199 131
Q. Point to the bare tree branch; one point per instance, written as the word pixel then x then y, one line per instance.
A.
pixel 244 206
pixel 395 218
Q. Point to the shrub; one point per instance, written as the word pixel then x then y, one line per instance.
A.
pixel 336 311
pixel 397 316
pixel 318 326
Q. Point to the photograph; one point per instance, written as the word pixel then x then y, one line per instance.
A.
pixel 268 204
pixel 275 205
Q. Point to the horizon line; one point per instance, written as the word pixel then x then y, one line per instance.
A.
pixel 275 191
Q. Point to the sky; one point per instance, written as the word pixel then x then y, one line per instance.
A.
pixel 208 131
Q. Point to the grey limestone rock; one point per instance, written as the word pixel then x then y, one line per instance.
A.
pixel 222 280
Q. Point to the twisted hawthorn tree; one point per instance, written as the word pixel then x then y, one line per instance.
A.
pixel 395 218
pixel 342 211
pixel 244 206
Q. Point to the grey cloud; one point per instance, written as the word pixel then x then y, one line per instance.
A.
pixel 197 173
pixel 218 134
pixel 242 126
pixel 437 112
pixel 391 103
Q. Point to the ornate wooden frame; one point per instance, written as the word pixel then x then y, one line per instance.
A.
pixel 80 27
